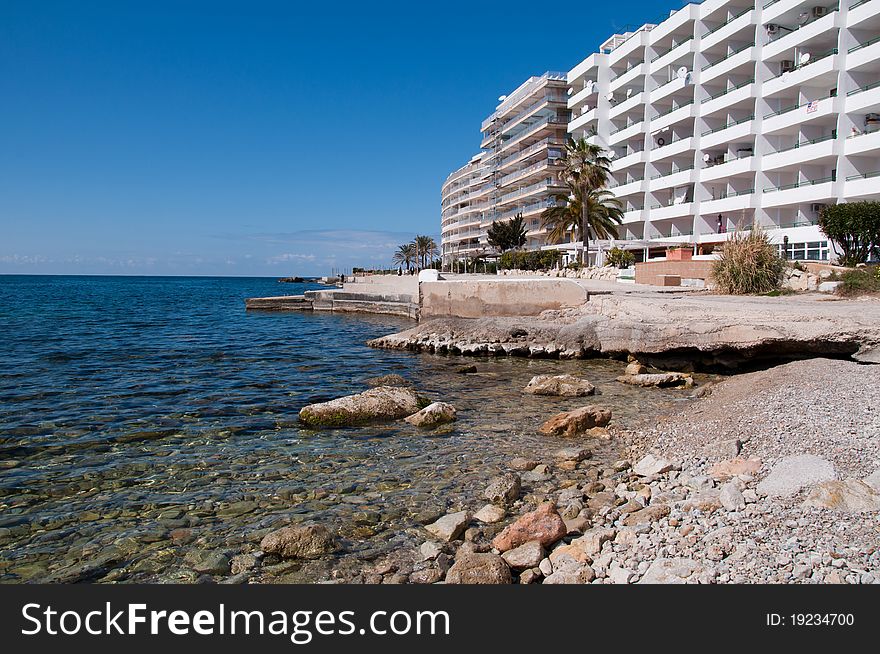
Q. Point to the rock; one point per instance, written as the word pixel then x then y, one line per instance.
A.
pixel 429 575
pixel 732 468
pixel 570 571
pixel 851 496
pixel 651 465
pixel 573 454
pixel 563 385
pixel 873 480
pixel 380 403
pixel 466 370
pixel 543 524
pixel 490 514
pixel 388 380
pixel 503 490
pixel 828 287
pixel 430 550
pixel 212 563
pixel 527 555
pixel 635 368
pixel 619 575
pixel 479 569
pixel 530 576
pixel 670 571
pixel 576 525
pixel 793 473
pixel 660 380
pixel 522 464
pixel 436 413
pixel 449 527
pixel 243 563
pixel 725 449
pixel 299 542
pixel 579 421
pixel 591 542
pixel 731 498
pixel 651 513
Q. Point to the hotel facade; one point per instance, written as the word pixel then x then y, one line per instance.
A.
pixel 729 114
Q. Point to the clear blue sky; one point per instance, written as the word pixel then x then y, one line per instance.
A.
pixel 253 138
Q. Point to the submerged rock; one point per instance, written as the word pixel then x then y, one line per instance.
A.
pixel 388 380
pixel 436 413
pixel 299 542
pixel 579 421
pixel 504 489
pixel 660 380
pixel 380 403
pixel 562 385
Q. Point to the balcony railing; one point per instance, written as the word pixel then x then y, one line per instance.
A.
pixel 806 182
pixel 675 139
pixel 732 124
pixel 530 150
pixel 770 4
pixel 674 46
pixel 628 68
pixel 874 173
pixel 669 111
pixel 673 172
pixel 728 21
pixel 734 194
pixel 629 181
pixel 730 90
pixel 858 4
pixel 813 60
pixel 786 110
pixel 724 58
pixel 867 87
pixel 865 44
pixel 627 126
pixel 802 144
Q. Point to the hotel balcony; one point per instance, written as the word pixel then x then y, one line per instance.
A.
pixel 676 84
pixel 731 168
pixel 815 190
pixel 583 96
pixel 861 11
pixel 862 143
pixel 674 23
pixel 728 97
pixel 821 71
pixel 659 212
pixel 804 151
pixel 626 133
pixel 676 229
pixel 633 216
pixel 798 37
pixel 629 160
pixel 628 188
pixel 676 147
pixel 627 76
pixel 727 30
pixel 727 202
pixel 772 9
pixel 661 60
pixel 863 54
pixel 680 177
pixel 865 186
pixel 797 114
pixel 626 104
pixel 673 115
pixel 864 98
pixel 584 119
pixel 638 39
pixel 731 132
pixel 721 66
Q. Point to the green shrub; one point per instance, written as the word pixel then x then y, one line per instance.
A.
pixel 573 265
pixel 855 227
pixel 749 265
pixel 859 281
pixel 619 258
pixel 530 260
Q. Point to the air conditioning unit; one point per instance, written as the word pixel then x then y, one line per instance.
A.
pixel 787 65
pixel 816 207
pixel 818 12
pixel 772 28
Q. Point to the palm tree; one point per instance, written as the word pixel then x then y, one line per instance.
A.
pixel 586 168
pixel 426 250
pixel 405 255
pixel 598 216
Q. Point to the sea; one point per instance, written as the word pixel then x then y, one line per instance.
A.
pixel 150 423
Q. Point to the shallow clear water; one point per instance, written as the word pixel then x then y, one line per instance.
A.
pixel 142 418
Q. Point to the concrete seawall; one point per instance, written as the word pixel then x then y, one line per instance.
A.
pixel 503 297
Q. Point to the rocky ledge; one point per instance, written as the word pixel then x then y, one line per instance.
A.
pixel 673 332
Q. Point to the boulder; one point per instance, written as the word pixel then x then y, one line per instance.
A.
pixel 522 464
pixel 450 526
pixel 299 542
pixel 527 555
pixel 850 495
pixel 490 514
pixel 635 368
pixel 659 380
pixel 479 569
pixel 380 403
pixel 651 465
pixel 543 524
pixel 733 467
pixel 562 385
pixel 388 380
pixel 579 421
pixel 792 473
pixel 591 542
pixel 504 489
pixel 436 413
pixel 731 498
pixel 670 571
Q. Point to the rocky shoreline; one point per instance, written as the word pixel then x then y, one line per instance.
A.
pixel 681 332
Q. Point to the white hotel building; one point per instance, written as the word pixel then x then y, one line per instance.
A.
pixel 728 114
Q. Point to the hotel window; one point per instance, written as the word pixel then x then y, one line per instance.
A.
pixel 813 251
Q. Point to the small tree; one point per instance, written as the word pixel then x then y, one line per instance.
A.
pixel 508 235
pixel 748 265
pixel 855 227
pixel 619 258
